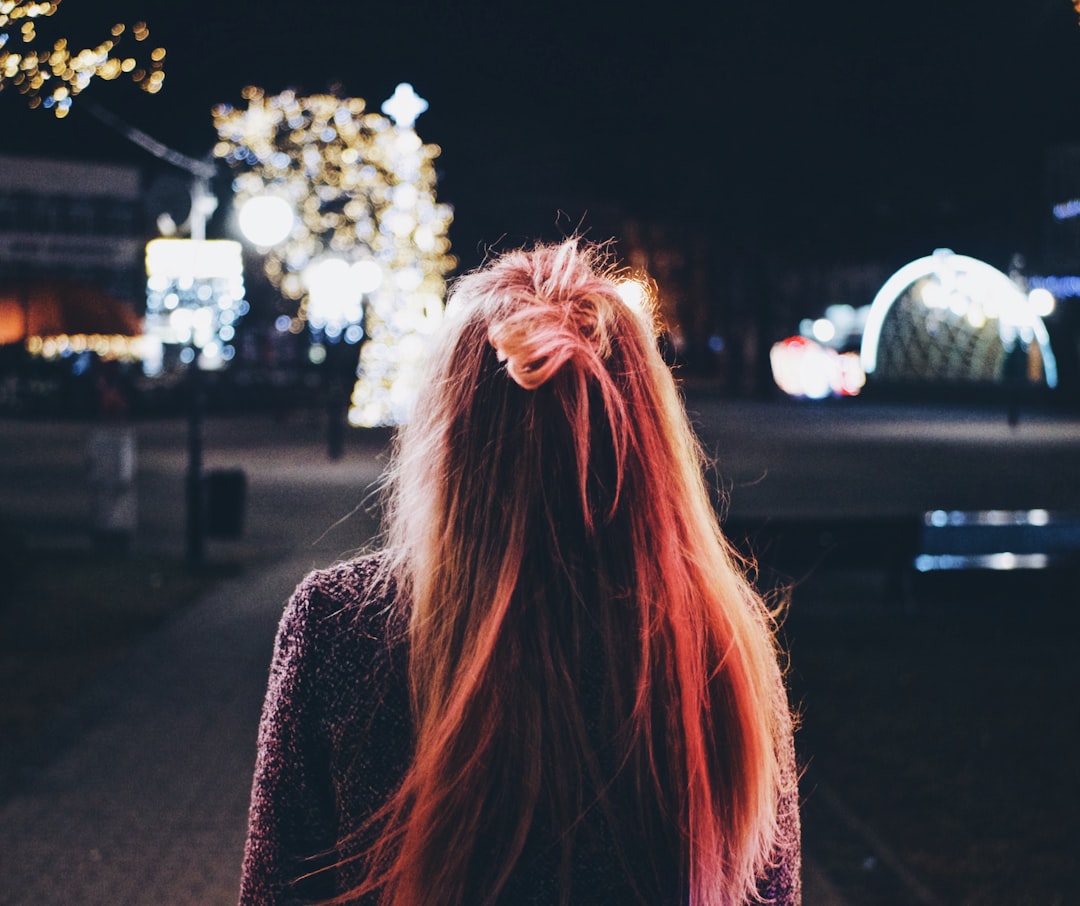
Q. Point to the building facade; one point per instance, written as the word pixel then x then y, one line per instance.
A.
pixel 80 221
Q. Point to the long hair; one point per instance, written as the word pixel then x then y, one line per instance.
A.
pixel 582 639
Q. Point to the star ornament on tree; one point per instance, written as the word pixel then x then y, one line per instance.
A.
pixel 405 105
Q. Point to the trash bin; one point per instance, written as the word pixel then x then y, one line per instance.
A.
pixel 224 497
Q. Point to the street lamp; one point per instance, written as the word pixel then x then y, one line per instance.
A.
pixel 266 220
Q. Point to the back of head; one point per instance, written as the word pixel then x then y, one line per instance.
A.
pixel 545 382
pixel 581 639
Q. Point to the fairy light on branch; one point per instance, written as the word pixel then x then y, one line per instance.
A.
pixel 51 78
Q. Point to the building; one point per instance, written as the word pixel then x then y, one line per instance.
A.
pixel 80 221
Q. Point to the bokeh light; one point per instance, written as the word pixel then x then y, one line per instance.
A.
pixel 51 78
pixel 360 187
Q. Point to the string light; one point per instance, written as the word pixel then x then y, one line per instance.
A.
pixel 50 79
pixel 361 189
pixel 107 347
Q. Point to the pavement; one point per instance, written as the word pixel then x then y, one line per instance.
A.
pixel 144 801
pixel 138 794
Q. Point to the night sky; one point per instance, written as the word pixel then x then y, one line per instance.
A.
pixel 837 130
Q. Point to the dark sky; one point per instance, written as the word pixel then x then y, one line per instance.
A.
pixel 838 129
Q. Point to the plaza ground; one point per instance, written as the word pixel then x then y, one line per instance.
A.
pixel 937 710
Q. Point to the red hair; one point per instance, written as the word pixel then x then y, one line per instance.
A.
pixel 581 635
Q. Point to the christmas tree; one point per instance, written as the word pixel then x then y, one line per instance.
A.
pixel 363 250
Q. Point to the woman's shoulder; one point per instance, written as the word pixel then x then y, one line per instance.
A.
pixel 356 598
pixel 346 581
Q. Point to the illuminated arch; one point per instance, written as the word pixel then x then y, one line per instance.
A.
pixel 953 289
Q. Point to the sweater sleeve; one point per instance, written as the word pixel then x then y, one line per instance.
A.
pixel 291 821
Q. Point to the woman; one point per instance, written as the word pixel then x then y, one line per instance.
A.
pixel 554 685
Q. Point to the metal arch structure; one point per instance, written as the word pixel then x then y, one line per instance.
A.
pixel 1000 285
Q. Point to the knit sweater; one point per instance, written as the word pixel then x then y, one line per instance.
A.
pixel 335 739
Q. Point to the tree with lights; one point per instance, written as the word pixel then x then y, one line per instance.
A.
pixel 362 248
pixel 51 77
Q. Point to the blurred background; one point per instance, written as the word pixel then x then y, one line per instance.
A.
pixel 227 233
pixel 768 167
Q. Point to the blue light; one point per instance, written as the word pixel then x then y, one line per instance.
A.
pixel 1060 287
pixel 1067 209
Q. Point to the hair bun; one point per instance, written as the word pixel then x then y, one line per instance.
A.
pixel 535 342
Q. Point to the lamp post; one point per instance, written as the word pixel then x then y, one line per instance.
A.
pixel 195 293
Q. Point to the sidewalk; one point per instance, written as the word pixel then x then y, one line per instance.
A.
pixel 147 804
pixel 138 793
pixel 142 797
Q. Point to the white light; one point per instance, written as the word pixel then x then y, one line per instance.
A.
pixel 408 278
pixel 191 259
pixel 814 374
pixel 210 358
pixel 633 293
pixel 181 321
pixel 843 316
pixel 405 195
pixel 1038 517
pixel 824 330
pixel 933 295
pixel 153 355
pixel 424 238
pixel 266 220
pixel 404 106
pixel 938 519
pixel 367 275
pixel 399 223
pixel 202 327
pixel 1042 302
pixel 334 300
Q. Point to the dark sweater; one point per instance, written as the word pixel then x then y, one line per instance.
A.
pixel 336 737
